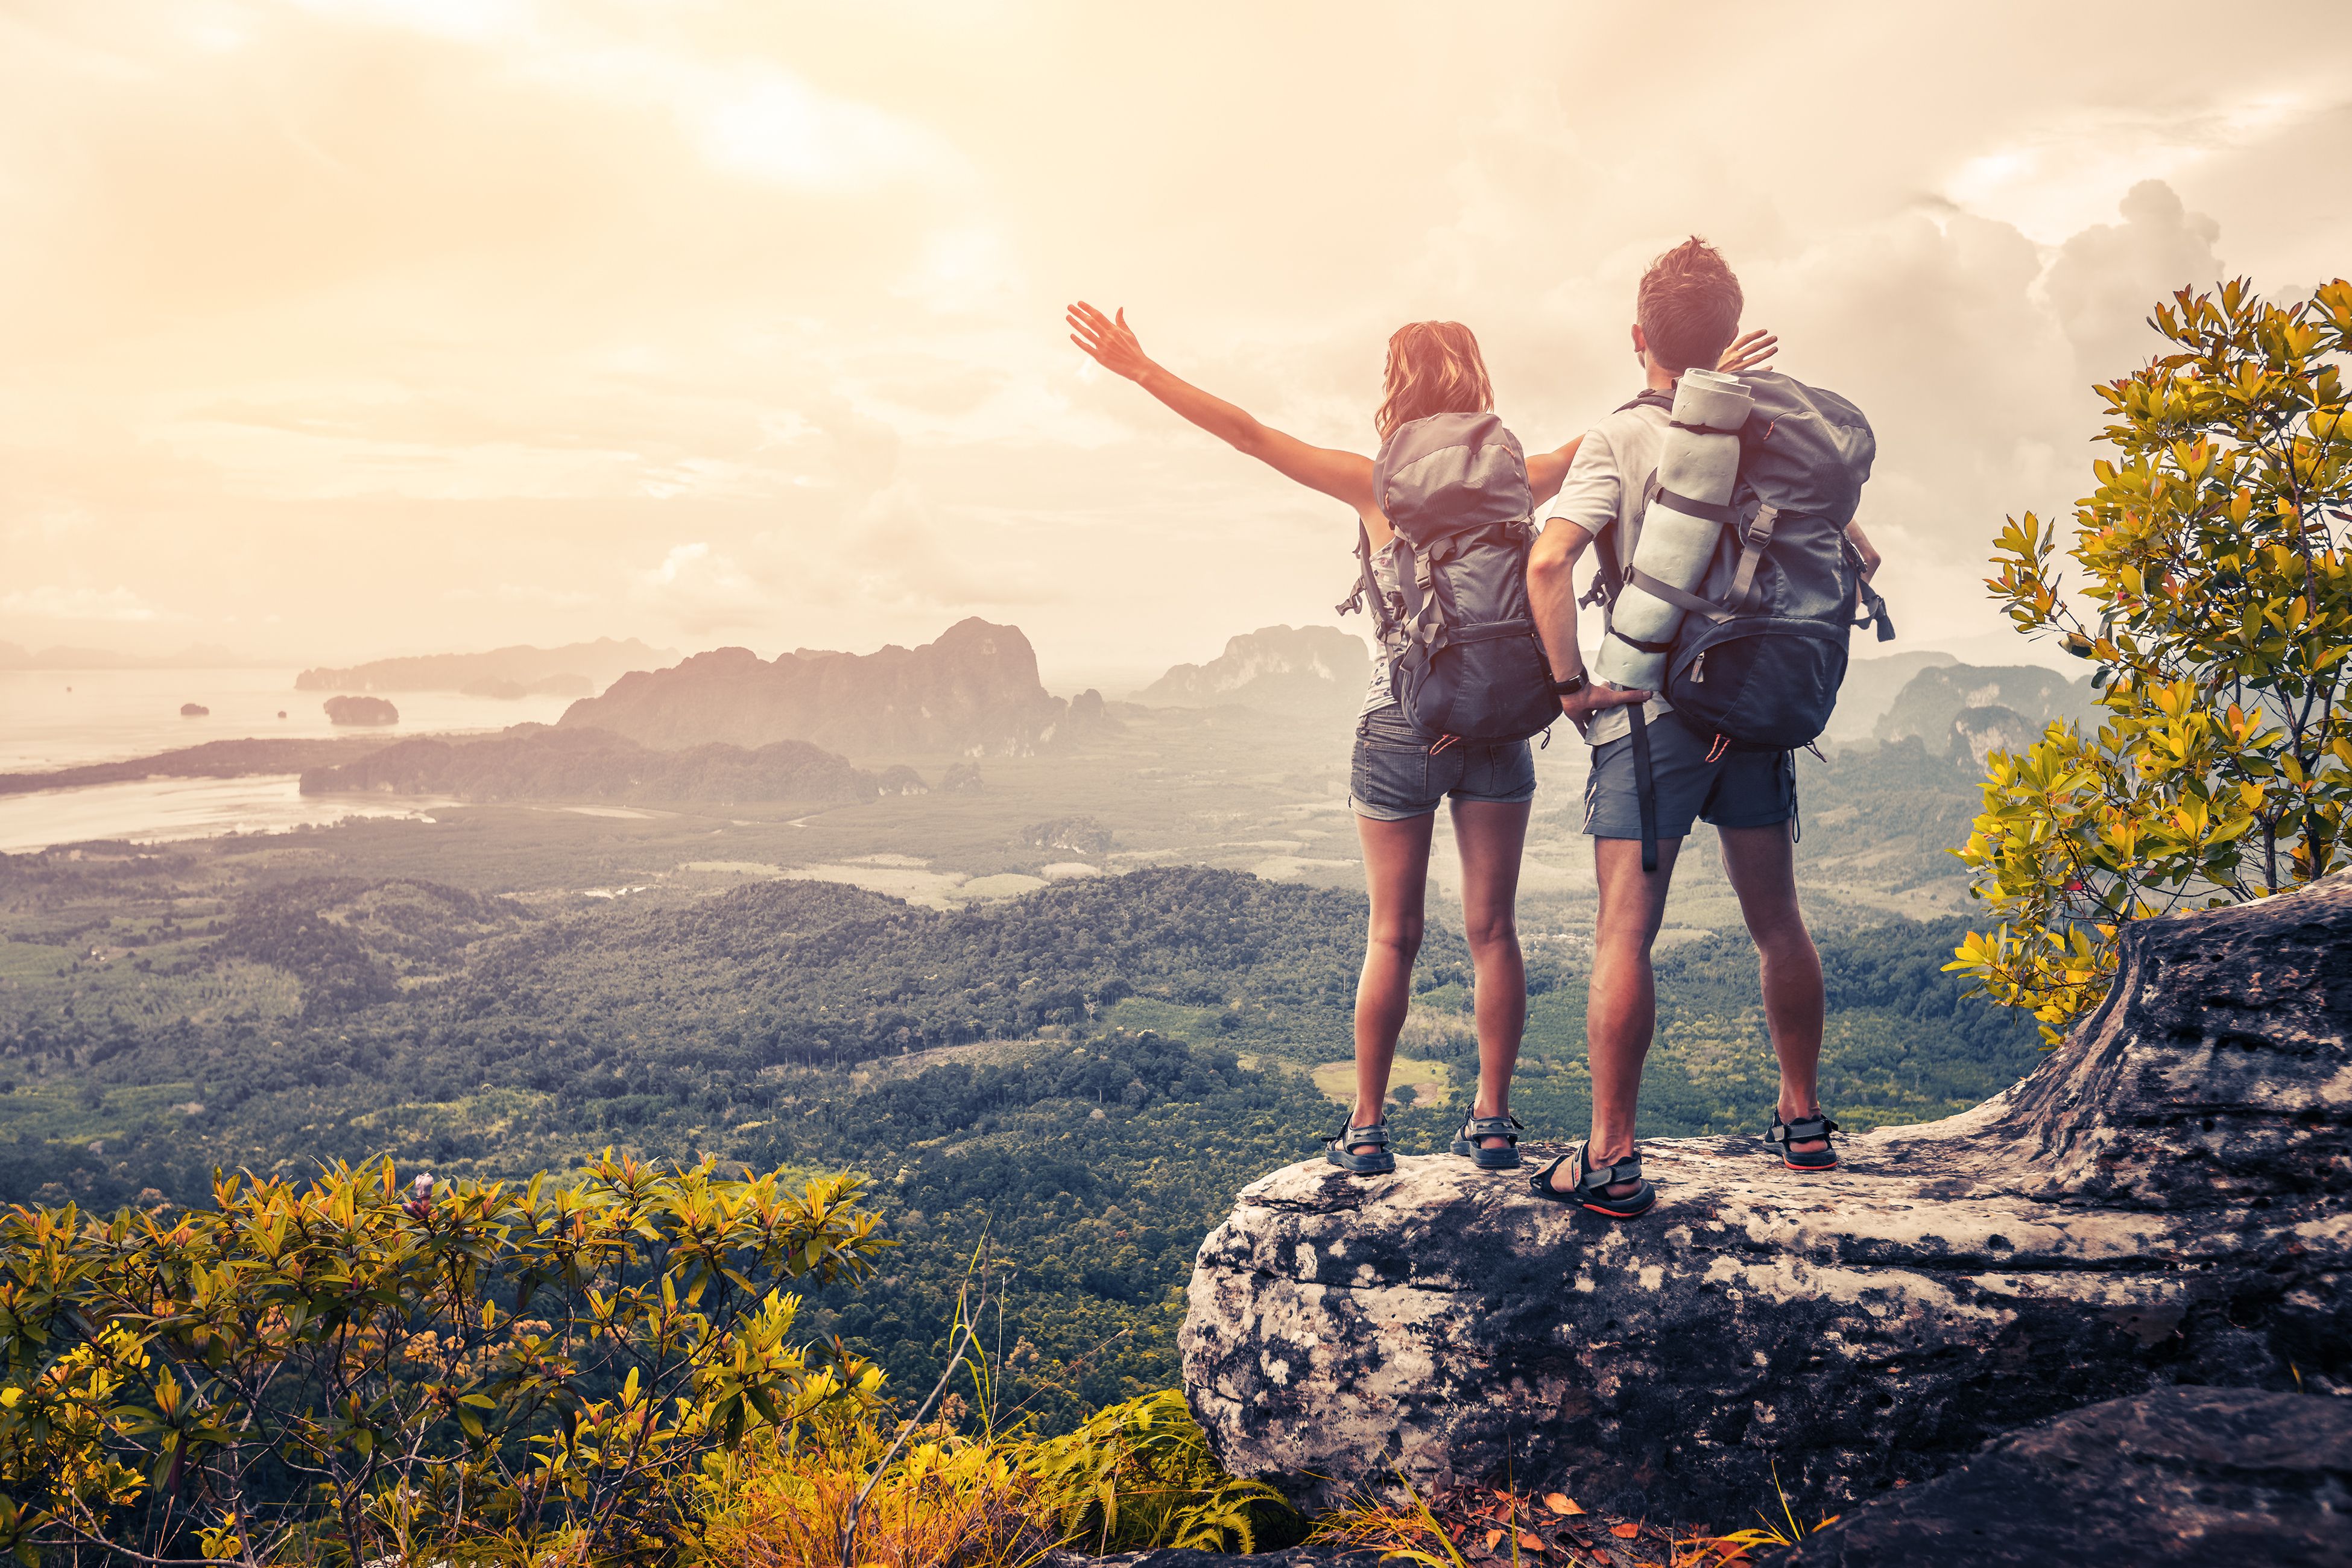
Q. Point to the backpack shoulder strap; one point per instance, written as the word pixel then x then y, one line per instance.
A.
pixel 1610 578
pixel 1368 587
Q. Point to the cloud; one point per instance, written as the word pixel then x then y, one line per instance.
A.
pixel 899 554
pixel 52 603
pixel 728 316
pixel 701 590
pixel 2106 279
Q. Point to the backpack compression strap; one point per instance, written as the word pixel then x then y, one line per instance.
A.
pixel 1871 601
pixel 1604 589
pixel 1612 575
pixel 1645 787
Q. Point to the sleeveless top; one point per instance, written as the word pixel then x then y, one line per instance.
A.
pixel 1382 693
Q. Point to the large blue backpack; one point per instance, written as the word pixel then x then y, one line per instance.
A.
pixel 1757 661
pixel 1465 659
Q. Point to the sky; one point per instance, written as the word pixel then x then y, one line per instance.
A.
pixel 341 329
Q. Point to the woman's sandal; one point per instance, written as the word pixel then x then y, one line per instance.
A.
pixel 1804 1130
pixel 1339 1149
pixel 1591 1189
pixel 1476 1130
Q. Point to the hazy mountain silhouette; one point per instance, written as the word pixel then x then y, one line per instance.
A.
pixel 1281 670
pixel 1967 709
pixel 1871 688
pixel 516 671
pixel 975 691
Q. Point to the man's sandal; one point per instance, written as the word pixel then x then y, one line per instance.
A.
pixel 1804 1130
pixel 1476 1130
pixel 1339 1149
pixel 1591 1188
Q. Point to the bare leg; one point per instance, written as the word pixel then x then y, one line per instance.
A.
pixel 1762 866
pixel 1491 836
pixel 1396 871
pixel 1621 1010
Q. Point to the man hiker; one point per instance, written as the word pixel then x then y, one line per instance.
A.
pixel 1686 309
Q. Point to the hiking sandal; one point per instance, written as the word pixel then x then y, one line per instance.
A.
pixel 1804 1130
pixel 1469 1141
pixel 1339 1149
pixel 1591 1189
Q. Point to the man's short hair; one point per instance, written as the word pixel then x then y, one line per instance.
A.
pixel 1688 306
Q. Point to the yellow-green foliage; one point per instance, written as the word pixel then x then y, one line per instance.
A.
pixel 949 1500
pixel 2213 567
pixel 359 1367
pixel 1136 1475
pixel 1141 1474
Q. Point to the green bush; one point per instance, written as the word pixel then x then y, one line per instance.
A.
pixel 358 1367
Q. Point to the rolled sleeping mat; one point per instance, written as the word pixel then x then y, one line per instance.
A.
pixel 1674 547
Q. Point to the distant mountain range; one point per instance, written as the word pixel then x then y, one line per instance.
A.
pixel 535 762
pixel 1279 669
pixel 1967 710
pixel 576 669
pixel 1869 690
pixel 974 692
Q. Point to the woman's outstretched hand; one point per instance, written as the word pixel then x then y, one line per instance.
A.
pixel 1746 353
pixel 1109 339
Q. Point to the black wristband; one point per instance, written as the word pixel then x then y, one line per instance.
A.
pixel 1571 686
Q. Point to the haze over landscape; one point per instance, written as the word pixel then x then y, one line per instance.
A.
pixel 577 639
pixel 356 328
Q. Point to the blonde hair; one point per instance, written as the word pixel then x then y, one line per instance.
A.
pixel 1435 367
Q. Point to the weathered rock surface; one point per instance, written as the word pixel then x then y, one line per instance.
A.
pixel 2163 1202
pixel 2182 1475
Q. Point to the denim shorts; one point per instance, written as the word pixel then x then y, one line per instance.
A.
pixel 1396 773
pixel 1736 789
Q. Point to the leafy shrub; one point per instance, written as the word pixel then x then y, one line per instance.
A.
pixel 1139 1475
pixel 2213 565
pixel 323 1373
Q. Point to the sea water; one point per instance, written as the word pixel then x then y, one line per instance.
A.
pixel 66 718
pixel 53 718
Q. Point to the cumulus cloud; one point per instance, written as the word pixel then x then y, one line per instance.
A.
pixel 2106 279
pixel 701 590
pixel 899 553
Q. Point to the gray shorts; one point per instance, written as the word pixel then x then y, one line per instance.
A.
pixel 1395 775
pixel 1738 789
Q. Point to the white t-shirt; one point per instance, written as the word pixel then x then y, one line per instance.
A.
pixel 1603 490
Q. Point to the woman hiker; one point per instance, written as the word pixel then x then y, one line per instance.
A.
pixel 1395 779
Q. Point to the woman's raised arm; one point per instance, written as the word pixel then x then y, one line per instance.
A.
pixel 1343 476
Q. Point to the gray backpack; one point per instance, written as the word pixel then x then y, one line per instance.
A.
pixel 1464 661
pixel 1758 658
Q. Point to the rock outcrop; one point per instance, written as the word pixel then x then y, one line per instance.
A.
pixel 2164 1201
pixel 369 711
pixel 2188 1476
pixel 974 691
